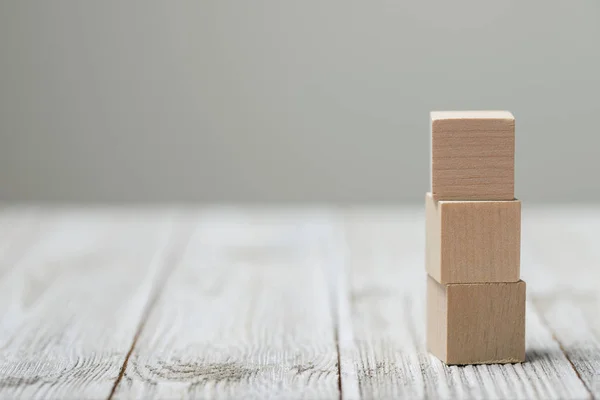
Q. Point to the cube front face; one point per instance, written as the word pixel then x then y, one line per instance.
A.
pixel 476 323
pixel 473 241
pixel 472 155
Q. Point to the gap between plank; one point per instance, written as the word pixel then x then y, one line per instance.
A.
pixel 332 275
pixel 340 308
pixel 175 249
pixel 339 359
pixel 560 345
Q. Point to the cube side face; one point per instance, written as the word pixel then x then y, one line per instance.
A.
pixel 437 312
pixel 486 323
pixel 472 158
pixel 480 241
pixel 433 237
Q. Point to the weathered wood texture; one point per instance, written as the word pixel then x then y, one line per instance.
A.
pixel 253 304
pixel 72 301
pixel 18 227
pixel 246 314
pixel 387 319
pixel 564 258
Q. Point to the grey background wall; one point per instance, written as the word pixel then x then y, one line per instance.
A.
pixel 291 101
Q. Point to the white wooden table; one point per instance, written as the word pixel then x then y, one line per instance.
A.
pixel 271 303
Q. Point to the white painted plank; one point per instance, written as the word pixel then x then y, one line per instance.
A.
pixel 11 222
pixel 245 315
pixel 248 314
pixel 563 248
pixel 71 305
pixel 338 277
pixel 18 226
pixel 387 302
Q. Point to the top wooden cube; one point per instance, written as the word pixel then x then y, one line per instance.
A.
pixel 472 155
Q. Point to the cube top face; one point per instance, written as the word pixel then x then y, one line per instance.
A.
pixel 449 115
pixel 472 155
pixel 479 323
pixel 473 241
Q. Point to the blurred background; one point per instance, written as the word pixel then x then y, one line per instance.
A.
pixel 290 102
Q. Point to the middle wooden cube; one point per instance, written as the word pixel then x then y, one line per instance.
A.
pixel 473 241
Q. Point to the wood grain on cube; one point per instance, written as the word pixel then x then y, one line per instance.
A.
pixel 437 318
pixel 472 155
pixel 473 241
pixel 480 323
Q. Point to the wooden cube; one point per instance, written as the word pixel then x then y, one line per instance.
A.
pixel 473 241
pixel 477 323
pixel 472 155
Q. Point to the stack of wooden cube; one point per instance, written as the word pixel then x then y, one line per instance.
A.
pixel 475 297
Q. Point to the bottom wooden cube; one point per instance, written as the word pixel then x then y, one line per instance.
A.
pixel 476 323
